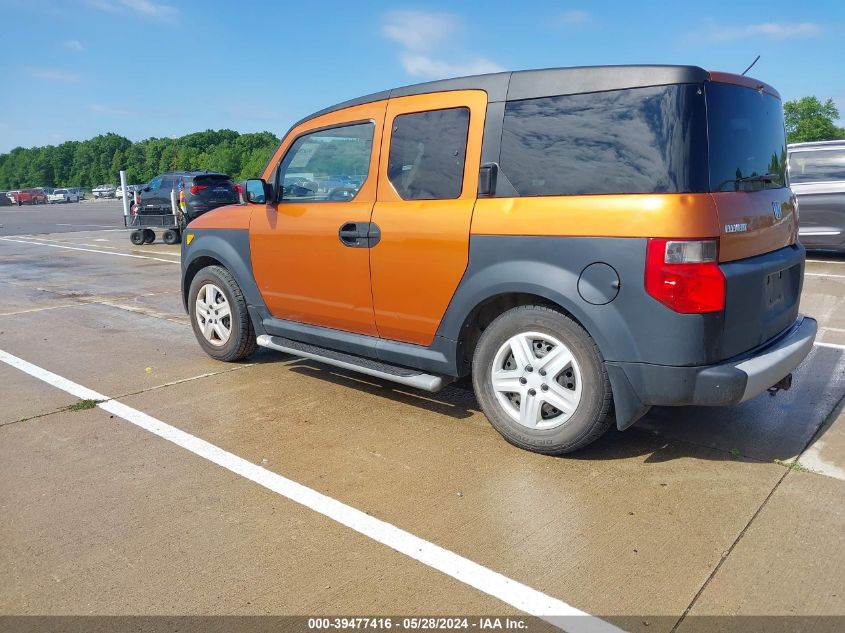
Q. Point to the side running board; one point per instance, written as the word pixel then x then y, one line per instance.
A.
pixel 403 376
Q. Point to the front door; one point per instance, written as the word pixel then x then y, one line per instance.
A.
pixel 427 186
pixel 310 248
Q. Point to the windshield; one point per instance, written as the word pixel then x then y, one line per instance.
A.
pixel 747 140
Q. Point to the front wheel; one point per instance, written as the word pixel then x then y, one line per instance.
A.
pixel 219 315
pixel 541 382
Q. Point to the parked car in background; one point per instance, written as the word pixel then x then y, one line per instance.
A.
pixel 817 178
pixel 21 197
pixel 38 196
pixel 4 199
pixel 104 191
pixel 62 195
pixel 80 195
pixel 201 191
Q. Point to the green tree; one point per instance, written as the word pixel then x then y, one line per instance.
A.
pixel 808 119
pixel 98 160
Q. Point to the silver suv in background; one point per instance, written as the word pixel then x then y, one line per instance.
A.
pixel 817 177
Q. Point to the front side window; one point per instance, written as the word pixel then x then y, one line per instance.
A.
pixel 427 154
pixel 827 165
pixel 327 165
pixel 638 140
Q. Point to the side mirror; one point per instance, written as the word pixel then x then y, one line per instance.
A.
pixel 256 191
pixel 147 188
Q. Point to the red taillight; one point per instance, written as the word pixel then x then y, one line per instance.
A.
pixel 239 189
pixel 195 189
pixel 684 275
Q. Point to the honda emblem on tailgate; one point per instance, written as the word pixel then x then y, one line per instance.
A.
pixel 776 210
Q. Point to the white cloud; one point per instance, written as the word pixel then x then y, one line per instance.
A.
pixel 422 33
pixel 419 30
pixel 98 108
pixel 73 45
pixel 573 17
pixel 141 7
pixel 419 65
pixel 52 74
pixel 772 30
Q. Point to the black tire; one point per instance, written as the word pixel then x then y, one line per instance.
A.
pixel 593 414
pixel 136 237
pixel 149 236
pixel 242 341
pixel 170 236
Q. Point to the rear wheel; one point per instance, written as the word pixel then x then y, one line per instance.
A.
pixel 149 236
pixel 136 237
pixel 541 382
pixel 219 316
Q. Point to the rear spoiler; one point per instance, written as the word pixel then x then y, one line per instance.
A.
pixel 742 80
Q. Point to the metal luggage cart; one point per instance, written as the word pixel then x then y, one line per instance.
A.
pixel 144 225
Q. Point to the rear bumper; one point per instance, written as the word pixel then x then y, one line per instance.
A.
pixel 726 383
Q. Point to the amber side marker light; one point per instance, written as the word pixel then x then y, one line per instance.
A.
pixel 684 275
pixel 189 237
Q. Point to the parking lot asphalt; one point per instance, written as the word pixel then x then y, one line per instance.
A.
pixel 141 506
pixel 84 215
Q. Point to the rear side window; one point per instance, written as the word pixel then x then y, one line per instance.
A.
pixel 328 165
pixel 427 154
pixel 817 166
pixel 639 140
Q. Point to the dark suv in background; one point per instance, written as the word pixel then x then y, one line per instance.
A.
pixel 199 191
pixel 817 178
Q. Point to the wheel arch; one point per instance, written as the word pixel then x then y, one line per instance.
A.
pixel 226 248
pixel 487 293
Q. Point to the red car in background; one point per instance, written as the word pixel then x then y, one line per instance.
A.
pixel 27 196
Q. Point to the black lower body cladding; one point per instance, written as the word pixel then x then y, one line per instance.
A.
pixel 655 356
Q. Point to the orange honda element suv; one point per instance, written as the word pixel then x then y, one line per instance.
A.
pixel 585 243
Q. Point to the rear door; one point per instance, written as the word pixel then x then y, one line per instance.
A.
pixel 150 196
pixel 427 186
pixel 747 161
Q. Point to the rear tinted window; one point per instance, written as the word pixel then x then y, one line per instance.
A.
pixel 427 154
pixel 817 165
pixel 747 138
pixel 640 140
pixel 211 180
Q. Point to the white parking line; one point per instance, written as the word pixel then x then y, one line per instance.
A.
pixel 806 274
pixel 89 250
pixel 831 345
pixel 66 243
pixel 99 226
pixel 492 583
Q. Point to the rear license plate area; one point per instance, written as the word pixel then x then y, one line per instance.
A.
pixel 778 286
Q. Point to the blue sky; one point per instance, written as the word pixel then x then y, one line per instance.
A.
pixel 71 69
